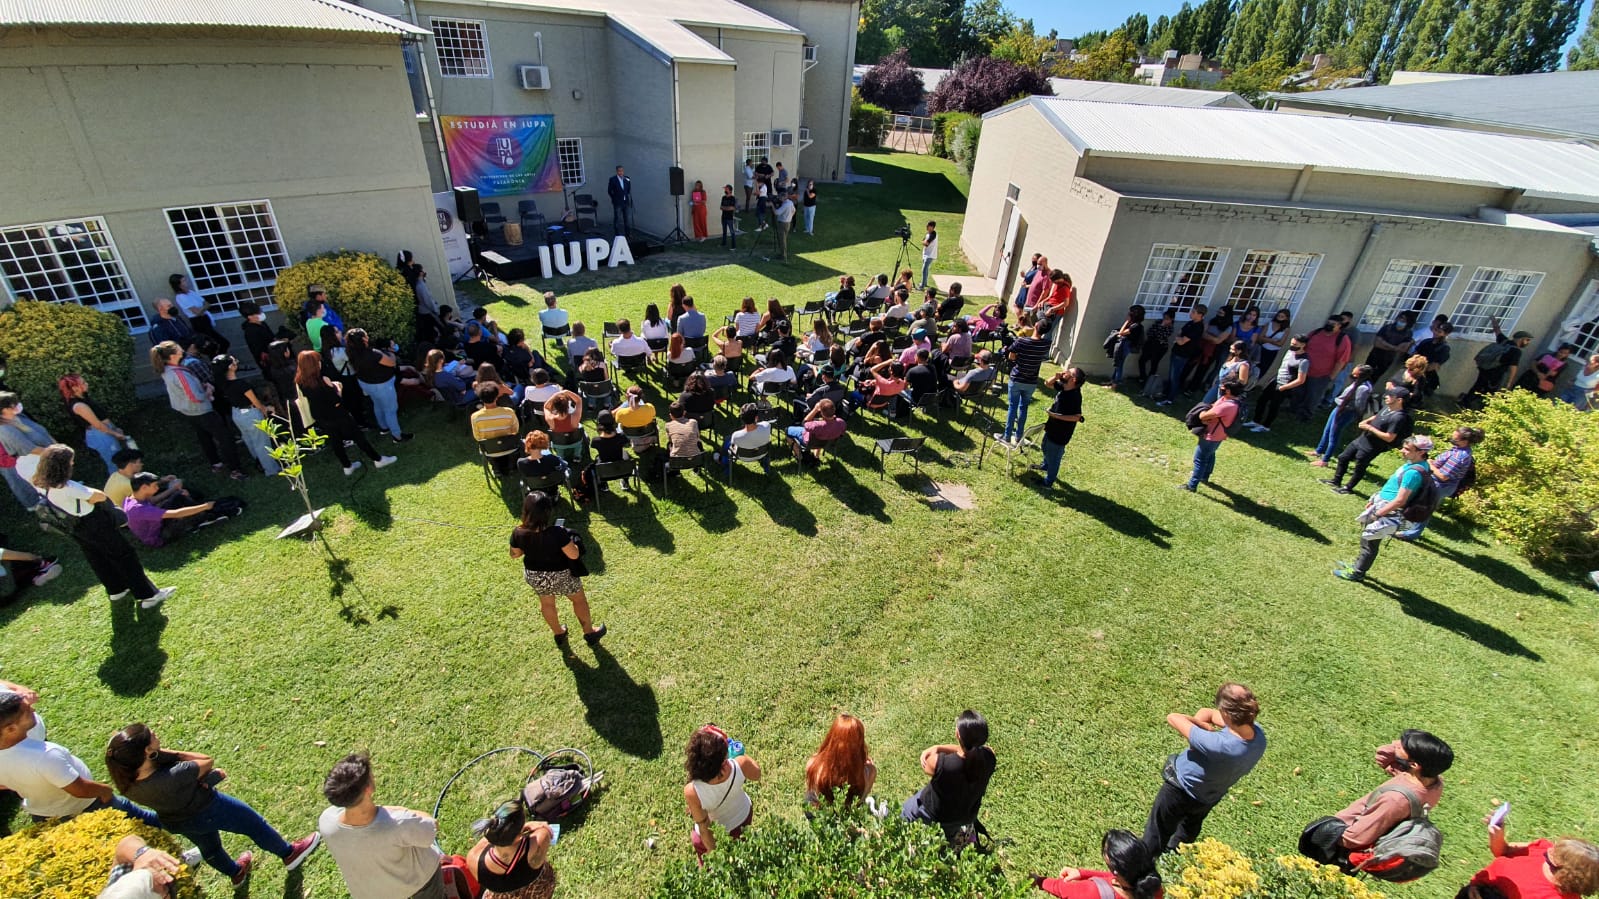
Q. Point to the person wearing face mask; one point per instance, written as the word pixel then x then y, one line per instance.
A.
pixel 1328 350
pixel 19 436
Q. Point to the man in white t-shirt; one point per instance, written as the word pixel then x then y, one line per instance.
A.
pixel 755 434
pixel 52 782
pixel 552 316
pixel 628 344
pixel 929 250
pixel 383 851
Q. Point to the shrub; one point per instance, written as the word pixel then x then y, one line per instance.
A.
pixel 69 859
pixel 43 341
pixel 982 83
pixel 963 142
pixel 892 83
pixel 866 122
pixel 366 289
pixel 944 125
pixel 839 854
pixel 1211 869
pixel 1537 476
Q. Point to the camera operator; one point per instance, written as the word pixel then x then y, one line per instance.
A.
pixel 929 250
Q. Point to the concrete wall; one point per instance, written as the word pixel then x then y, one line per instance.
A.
pixel 324 130
pixel 766 92
pixel 704 142
pixel 831 26
pixel 642 116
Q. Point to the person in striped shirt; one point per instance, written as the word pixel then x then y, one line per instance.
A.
pixel 1448 469
pixel 1026 354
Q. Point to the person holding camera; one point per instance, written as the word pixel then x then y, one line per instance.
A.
pixel 549 554
pixel 1061 421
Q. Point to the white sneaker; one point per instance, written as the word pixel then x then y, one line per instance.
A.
pixel 116 596
pixel 47 575
pixel 384 462
pixel 1262 429
pixel 191 856
pixel 160 597
pixel 351 468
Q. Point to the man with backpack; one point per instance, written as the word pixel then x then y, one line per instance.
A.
pixel 1497 364
pixel 1386 833
pixel 1212 425
pixel 1453 470
pixel 383 851
pixel 1410 494
pixel 1378 434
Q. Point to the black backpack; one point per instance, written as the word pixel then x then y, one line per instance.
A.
pixel 1199 428
pixel 1423 502
pixel 1489 357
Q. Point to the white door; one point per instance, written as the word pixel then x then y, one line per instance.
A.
pixel 1007 259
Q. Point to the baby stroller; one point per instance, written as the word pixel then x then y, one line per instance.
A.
pixel 559 782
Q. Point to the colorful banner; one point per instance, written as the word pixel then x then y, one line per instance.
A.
pixel 502 155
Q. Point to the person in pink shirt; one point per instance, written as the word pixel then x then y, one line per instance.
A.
pixel 1328 350
pixel 1039 285
pixel 1415 763
pixel 1214 423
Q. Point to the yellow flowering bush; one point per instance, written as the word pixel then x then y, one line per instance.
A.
pixel 71 859
pixel 1211 869
pixel 366 289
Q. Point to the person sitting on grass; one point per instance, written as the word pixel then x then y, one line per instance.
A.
pixel 452 380
pixel 487 373
pixel 715 789
pixel 1415 764
pixel 959 775
pixel 154 525
pixel 130 462
pixel 1554 869
pixel 754 435
pixel 821 424
pixel 1129 873
pixel 512 859
pixel 842 769
pixel 141 871
pixel 383 851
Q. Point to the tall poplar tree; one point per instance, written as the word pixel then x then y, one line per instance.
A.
pixel 1210 23
pixel 1251 28
pixel 1290 30
pixel 1585 55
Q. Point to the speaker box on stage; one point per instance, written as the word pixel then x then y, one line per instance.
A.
pixel 468 208
pixel 674 179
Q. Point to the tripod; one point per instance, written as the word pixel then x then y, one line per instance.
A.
pixel 676 235
pixel 763 235
pixel 475 250
pixel 905 258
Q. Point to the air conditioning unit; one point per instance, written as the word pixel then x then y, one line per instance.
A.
pixel 805 135
pixel 809 53
pixel 782 138
pixel 534 78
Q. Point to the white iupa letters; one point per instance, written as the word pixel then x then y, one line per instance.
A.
pixel 569 258
pixel 544 261
pixel 620 253
pixel 597 249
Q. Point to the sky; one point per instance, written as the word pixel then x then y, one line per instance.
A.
pixel 1073 17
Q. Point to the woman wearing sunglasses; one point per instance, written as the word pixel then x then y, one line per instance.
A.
pixel 1542 869
pixel 512 860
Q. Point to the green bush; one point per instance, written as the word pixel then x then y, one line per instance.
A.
pixel 69 859
pixel 963 142
pixel 840 854
pixel 366 289
pixel 867 122
pixel 43 341
pixel 945 125
pixel 1537 476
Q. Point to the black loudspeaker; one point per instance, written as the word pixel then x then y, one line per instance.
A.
pixel 674 180
pixel 468 208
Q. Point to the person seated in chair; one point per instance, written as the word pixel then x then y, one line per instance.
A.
pixel 921 339
pixel 980 374
pixel 593 367
pixel 729 348
pixel 887 383
pixel 552 316
pixel 578 346
pixel 609 446
pixel 563 412
pixel 154 525
pixel 958 345
pixel 784 342
pixel 828 387
pixel 488 374
pixel 821 423
pixel 452 380
pixel 682 432
pixel 494 420
pixel 518 359
pixel 773 376
pixel 491 328
pixel 629 344
pixel 481 346
pixel 721 377
pixel 950 308
pixel 543 388
pixel 922 379
pixel 755 434
pixel 537 461
pixel 899 308
pixel 697 398
pixel 635 413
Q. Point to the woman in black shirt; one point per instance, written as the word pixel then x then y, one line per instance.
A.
pixel 329 415
pixel 248 410
pixel 512 860
pixel 549 552
pixel 959 778
pixel 376 371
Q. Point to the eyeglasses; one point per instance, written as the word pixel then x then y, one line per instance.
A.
pixel 1296 347
pixel 1550 861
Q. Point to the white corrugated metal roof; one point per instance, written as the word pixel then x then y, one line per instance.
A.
pixel 1145 94
pixel 1361 146
pixel 309 15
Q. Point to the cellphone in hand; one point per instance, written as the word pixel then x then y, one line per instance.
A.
pixel 560 522
pixel 1497 819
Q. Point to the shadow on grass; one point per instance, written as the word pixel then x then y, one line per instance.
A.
pixel 1281 519
pixel 622 711
pixel 1483 634
pixel 1112 514
pixel 838 476
pixel 932 191
pixel 137 659
pixel 358 611
pixel 293 885
pixel 772 492
pixel 10 805
pixel 1502 573
pixel 703 496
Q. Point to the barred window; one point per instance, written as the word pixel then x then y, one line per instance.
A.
pixel 1179 276
pixel 1493 293
pixel 462 48
pixel 232 252
pixel 756 145
pixel 1408 285
pixel 1273 281
pixel 72 261
pixel 570 152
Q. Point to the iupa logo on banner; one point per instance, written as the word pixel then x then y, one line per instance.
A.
pixel 568 258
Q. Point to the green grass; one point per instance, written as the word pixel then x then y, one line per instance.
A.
pixel 1075 621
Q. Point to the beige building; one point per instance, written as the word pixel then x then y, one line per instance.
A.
pixel 223 141
pixel 1169 207
pixel 703 84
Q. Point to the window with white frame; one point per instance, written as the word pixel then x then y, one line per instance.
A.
pixel 570 152
pixel 1179 276
pixel 71 261
pixel 1271 281
pixel 232 252
pixel 756 145
pixel 809 53
pixel 462 48
pixel 1581 329
pixel 1493 293
pixel 1408 285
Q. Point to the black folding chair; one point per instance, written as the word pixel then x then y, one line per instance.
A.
pixel 597 394
pixel 560 333
pixel 900 446
pixel 550 484
pixel 633 366
pixel 680 464
pixel 605 472
pixel 496 448
pixel 743 455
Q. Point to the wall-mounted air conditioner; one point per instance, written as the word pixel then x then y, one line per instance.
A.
pixel 782 138
pixel 805 135
pixel 534 78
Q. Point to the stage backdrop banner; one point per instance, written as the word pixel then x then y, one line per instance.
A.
pixel 502 155
pixel 453 233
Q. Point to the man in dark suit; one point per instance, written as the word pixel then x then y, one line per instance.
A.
pixel 620 187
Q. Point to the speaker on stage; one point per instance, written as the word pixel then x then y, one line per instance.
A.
pixel 468 208
pixel 674 180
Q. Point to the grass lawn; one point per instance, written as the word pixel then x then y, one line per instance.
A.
pixel 1075 621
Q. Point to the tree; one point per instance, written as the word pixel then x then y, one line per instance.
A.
pixel 1421 47
pixel 1183 30
pixel 1136 28
pixel 892 83
pixel 1113 60
pixel 1251 28
pixel 1331 31
pixel 982 83
pixel 1160 36
pixel 1210 23
pixel 1022 47
pixel 1585 55
pixel 985 23
pixel 1290 30
pixel 1540 29
pixel 1088 40
pixel 1371 22
pixel 1254 81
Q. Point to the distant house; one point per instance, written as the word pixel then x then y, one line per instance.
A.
pixel 1143 94
pixel 1172 66
pixel 1170 207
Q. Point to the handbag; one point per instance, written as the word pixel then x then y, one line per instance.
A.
pixel 303 405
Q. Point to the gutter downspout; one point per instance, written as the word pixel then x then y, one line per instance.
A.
pixel 1360 263
pixel 433 106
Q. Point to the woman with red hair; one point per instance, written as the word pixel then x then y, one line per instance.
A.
pixel 329 415
pixel 100 433
pixel 842 763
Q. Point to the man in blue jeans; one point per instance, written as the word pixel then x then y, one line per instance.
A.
pixel 1064 414
pixel 1026 354
pixel 1215 420
pixel 1184 347
pixel 929 251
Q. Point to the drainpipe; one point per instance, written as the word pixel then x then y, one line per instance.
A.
pixel 433 106
pixel 1360 263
